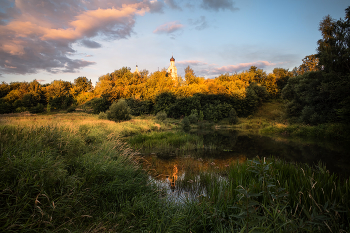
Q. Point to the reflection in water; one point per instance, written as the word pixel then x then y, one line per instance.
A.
pixel 180 175
pixel 173 177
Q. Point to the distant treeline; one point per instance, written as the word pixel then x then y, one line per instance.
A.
pixel 152 93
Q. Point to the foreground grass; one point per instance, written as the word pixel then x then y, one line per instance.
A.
pixel 71 173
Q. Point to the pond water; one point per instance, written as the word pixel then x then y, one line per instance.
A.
pixel 168 170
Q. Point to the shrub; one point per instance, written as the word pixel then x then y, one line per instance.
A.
pixel 139 107
pixel 201 115
pixel 48 107
pixel 186 124
pixel 233 118
pixel 71 109
pixel 102 116
pixel 39 108
pixel 161 116
pixel 119 111
pixel 164 101
pixel 21 109
pixel 5 107
pixel 193 118
pixel 99 105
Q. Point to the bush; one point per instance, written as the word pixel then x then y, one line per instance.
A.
pixel 21 109
pixel 5 107
pixel 164 101
pixel 201 115
pixel 186 124
pixel 139 107
pixel 99 105
pixel 161 116
pixel 39 108
pixel 193 118
pixel 102 116
pixel 119 111
pixel 71 109
pixel 233 118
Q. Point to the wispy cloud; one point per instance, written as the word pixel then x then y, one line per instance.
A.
pixel 191 62
pixel 217 5
pixel 172 4
pixel 214 70
pixel 169 27
pixel 200 23
pixel 90 44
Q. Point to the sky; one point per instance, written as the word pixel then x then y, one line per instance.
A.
pixel 51 40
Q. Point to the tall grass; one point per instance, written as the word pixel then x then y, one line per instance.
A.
pixel 272 196
pixel 71 173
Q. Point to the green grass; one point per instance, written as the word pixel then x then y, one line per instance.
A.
pixel 331 131
pixel 167 141
pixel 71 173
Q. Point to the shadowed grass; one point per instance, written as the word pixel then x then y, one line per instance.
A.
pixel 168 141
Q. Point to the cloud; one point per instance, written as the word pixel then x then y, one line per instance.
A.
pixel 191 62
pixel 172 4
pixel 38 34
pixel 217 5
pixel 237 68
pixel 91 44
pixel 88 56
pixel 40 80
pixel 199 24
pixel 168 27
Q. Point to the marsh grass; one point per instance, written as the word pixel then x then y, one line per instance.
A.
pixel 72 173
pixel 171 142
pixel 269 196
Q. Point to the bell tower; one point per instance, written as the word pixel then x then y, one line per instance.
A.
pixel 172 70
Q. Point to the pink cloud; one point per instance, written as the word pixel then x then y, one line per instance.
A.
pixel 192 63
pixel 40 34
pixel 168 27
pixel 240 67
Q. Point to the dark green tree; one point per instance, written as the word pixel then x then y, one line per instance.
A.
pixel 334 48
pixel 119 111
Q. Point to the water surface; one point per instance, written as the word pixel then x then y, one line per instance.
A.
pixel 236 146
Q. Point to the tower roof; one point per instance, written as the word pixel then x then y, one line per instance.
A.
pixel 172 58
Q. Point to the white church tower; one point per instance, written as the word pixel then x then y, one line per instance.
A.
pixel 172 70
pixel 137 70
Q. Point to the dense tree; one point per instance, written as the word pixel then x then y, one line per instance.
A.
pixel 334 47
pixel 281 76
pixel 310 63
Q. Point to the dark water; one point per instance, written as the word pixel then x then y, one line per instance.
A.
pixel 232 146
pixel 335 154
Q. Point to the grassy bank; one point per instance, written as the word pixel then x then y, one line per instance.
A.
pixel 323 131
pixel 168 142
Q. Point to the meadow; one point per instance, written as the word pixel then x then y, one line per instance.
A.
pixel 72 172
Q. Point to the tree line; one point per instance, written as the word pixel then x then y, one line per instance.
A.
pixel 149 93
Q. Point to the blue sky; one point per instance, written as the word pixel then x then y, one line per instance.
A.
pixel 49 40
